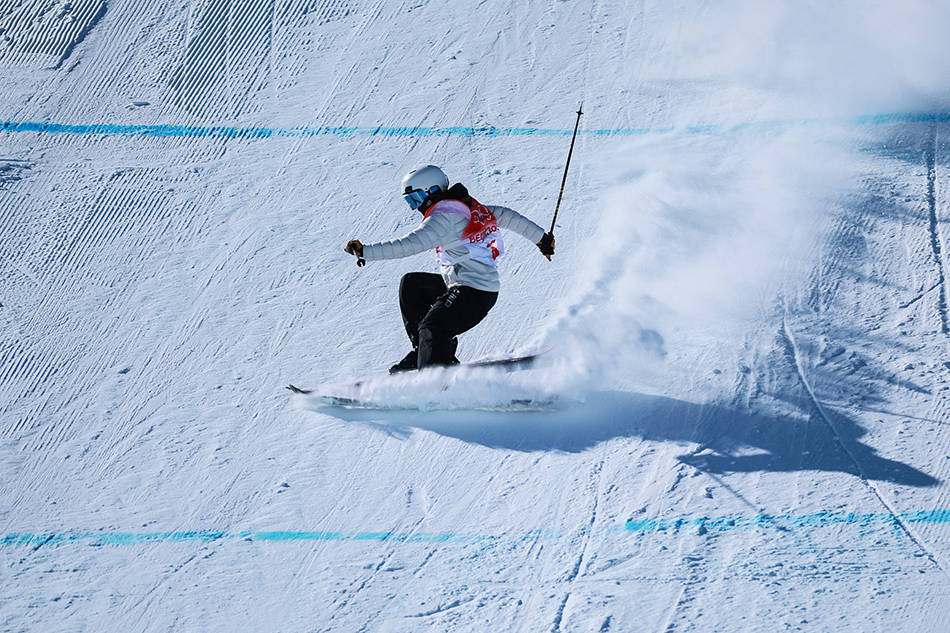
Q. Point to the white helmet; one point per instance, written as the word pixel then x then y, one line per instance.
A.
pixel 420 183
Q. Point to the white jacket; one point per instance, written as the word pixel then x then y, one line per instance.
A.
pixel 444 231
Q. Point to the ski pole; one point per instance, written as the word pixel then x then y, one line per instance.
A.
pixel 580 111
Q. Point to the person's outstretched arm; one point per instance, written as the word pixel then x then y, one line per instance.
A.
pixel 434 230
pixel 514 221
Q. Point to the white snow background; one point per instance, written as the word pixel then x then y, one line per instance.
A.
pixel 746 317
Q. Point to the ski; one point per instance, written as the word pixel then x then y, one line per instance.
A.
pixel 512 362
pixel 504 362
pixel 516 404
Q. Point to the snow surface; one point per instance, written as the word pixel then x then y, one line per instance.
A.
pixel 747 316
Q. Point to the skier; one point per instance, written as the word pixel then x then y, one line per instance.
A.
pixel 464 233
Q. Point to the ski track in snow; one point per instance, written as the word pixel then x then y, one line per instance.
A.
pixel 790 338
pixel 176 182
pixel 936 238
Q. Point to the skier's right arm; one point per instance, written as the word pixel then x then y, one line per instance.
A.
pixel 434 231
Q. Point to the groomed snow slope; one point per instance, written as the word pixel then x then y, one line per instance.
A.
pixel 747 315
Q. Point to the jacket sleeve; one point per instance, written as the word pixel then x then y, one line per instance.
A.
pixel 434 231
pixel 514 221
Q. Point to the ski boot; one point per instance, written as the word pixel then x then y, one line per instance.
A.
pixel 438 354
pixel 408 363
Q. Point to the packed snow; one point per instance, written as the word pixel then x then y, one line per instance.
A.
pixel 739 418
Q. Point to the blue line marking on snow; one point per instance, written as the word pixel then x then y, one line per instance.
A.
pixel 818 519
pixel 633 526
pixel 229 132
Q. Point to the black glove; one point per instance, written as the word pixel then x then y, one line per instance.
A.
pixel 354 247
pixel 546 245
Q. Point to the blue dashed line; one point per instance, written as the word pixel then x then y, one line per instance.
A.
pixel 252 133
pixel 631 527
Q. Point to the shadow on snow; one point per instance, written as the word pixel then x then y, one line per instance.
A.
pixel 729 440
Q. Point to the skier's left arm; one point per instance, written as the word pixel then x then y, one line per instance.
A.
pixel 514 221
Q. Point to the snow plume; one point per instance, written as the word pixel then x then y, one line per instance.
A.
pixel 818 58
pixel 696 234
pixel 700 226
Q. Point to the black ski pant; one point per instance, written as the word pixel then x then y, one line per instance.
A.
pixel 434 315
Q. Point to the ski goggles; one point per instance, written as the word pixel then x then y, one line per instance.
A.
pixel 417 197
